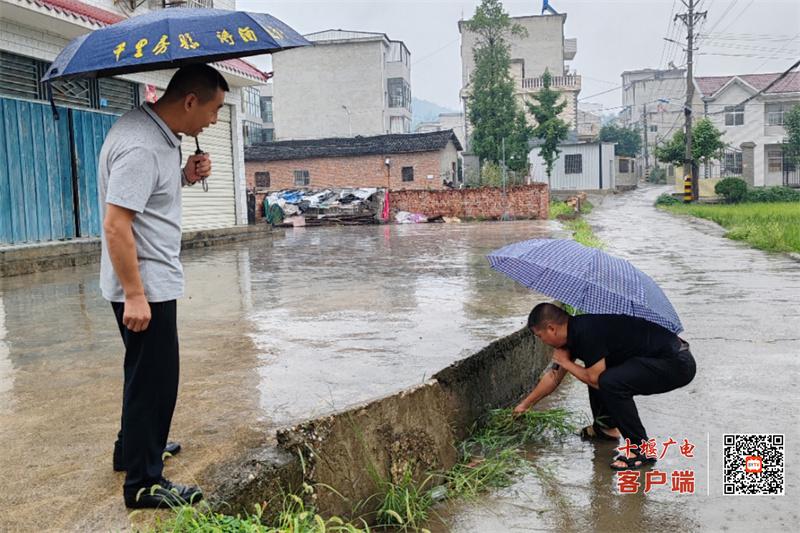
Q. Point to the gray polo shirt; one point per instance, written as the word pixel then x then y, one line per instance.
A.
pixel 140 169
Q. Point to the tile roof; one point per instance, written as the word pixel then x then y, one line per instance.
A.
pixel 395 143
pixel 709 85
pixel 102 17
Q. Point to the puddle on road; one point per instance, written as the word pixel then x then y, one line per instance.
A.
pixel 271 331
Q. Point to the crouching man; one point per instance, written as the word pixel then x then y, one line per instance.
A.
pixel 622 357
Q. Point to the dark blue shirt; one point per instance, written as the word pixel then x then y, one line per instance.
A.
pixel 617 338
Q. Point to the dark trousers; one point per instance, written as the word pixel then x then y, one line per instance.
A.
pixel 612 404
pixel 149 394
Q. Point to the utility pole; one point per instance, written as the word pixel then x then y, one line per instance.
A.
pixel 689 19
pixel 646 154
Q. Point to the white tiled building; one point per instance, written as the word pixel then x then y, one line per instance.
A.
pixel 753 131
pixel 543 48
pixel 349 83
pixel 653 103
pixel 33 32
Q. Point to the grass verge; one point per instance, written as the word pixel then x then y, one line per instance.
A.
pixel 774 227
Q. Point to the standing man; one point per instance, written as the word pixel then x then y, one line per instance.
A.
pixel 141 273
pixel 622 357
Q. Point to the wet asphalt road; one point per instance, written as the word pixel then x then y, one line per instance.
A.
pixel 740 311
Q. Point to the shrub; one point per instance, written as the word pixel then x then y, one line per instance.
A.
pixel 657 175
pixel 734 190
pixel 773 194
pixel 667 199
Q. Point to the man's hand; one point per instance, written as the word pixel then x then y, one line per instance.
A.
pixel 561 356
pixel 197 167
pixel 521 408
pixel 136 316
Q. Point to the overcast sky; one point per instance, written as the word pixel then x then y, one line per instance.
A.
pixel 613 36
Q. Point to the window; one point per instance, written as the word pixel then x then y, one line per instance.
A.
pixel 624 166
pixel 21 76
pixel 266 108
pixel 774 160
pixel 267 135
pixel 252 133
pixel 301 178
pixel 733 163
pixel 573 164
pixel 653 129
pixel 777 112
pixel 262 180
pixel 408 173
pixel 399 93
pixel 251 101
pixel 734 115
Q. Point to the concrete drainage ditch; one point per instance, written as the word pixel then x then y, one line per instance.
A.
pixel 418 426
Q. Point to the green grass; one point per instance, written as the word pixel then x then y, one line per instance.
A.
pixel 767 226
pixel 405 504
pixel 560 209
pixel 582 233
pixel 294 516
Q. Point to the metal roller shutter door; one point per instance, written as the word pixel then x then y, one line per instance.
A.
pixel 217 207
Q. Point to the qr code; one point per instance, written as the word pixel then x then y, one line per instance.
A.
pixel 753 464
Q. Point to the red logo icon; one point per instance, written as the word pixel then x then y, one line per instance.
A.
pixel 753 464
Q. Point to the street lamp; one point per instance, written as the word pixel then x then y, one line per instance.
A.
pixel 349 122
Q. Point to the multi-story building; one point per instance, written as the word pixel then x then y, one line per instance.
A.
pixel 589 125
pixel 543 48
pixel 50 175
pixel 349 83
pixel 653 103
pixel 750 109
pixel 446 121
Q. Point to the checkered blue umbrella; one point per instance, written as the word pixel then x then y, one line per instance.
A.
pixel 586 278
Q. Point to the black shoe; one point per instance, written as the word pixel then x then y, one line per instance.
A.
pixel 172 448
pixel 164 494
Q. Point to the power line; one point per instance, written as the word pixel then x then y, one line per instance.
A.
pixel 784 46
pixel 765 89
pixel 667 31
pixel 598 94
pixel 723 16
pixel 738 16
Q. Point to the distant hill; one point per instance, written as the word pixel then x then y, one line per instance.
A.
pixel 425 111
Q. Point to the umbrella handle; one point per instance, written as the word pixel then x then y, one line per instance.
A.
pixel 200 152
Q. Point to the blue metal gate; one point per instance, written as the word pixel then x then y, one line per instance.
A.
pixel 48 171
pixel 88 133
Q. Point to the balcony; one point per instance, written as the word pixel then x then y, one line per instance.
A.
pixel 571 82
pixel 570 48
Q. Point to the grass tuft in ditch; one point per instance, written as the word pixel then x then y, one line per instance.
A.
pixel 294 516
pixel 405 505
pixel 475 474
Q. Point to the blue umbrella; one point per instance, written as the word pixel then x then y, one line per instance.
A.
pixel 171 38
pixel 586 278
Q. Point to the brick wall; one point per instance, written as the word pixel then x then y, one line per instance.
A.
pixel 526 201
pixel 341 172
pixel 359 171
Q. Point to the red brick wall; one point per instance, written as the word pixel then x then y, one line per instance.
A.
pixel 526 201
pixel 360 171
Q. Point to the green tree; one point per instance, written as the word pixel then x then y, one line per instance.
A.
pixel 706 144
pixel 549 127
pixel 629 140
pixel 706 141
pixel 491 105
pixel 791 122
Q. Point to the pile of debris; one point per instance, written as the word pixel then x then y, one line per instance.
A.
pixel 328 207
